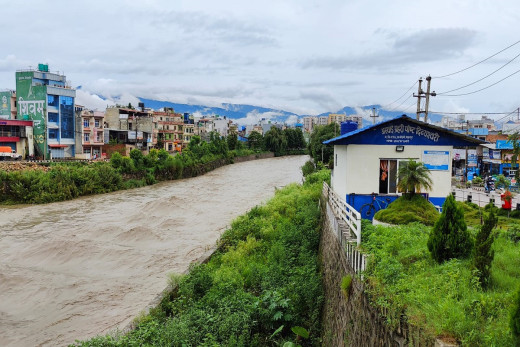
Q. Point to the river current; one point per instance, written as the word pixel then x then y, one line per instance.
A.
pixel 86 267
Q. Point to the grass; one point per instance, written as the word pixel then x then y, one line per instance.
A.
pixel 407 210
pixel 443 299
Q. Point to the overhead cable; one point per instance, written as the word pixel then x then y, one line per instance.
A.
pixel 469 67
pixel 479 90
pixel 467 85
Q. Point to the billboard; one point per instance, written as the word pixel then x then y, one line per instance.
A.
pixel 5 105
pixel 32 105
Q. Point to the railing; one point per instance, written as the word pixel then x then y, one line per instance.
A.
pixel 343 211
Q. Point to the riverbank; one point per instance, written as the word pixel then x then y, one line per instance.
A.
pixel 78 268
pixel 51 182
pixel 261 287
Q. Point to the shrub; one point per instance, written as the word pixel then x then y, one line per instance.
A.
pixel 408 210
pixel 484 255
pixel 308 168
pixel 450 237
pixel 514 233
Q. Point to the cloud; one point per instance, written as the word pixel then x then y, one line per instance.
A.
pixel 422 46
pixel 91 101
pixel 321 97
pixel 254 117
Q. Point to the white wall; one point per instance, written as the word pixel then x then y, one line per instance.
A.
pixel 357 169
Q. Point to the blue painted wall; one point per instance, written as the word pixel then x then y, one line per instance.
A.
pixel 358 201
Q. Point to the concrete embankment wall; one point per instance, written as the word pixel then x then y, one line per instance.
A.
pixel 353 321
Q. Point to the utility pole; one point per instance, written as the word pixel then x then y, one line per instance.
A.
pixel 422 94
pixel 466 161
pixel 373 116
pixel 419 96
pixel 428 80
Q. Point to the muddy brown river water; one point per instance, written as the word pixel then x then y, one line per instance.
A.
pixel 77 269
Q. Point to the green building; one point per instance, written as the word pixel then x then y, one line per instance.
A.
pixel 45 98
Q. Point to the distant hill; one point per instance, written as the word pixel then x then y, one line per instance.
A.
pixel 247 113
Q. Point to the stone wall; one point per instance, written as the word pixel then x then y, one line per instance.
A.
pixel 353 321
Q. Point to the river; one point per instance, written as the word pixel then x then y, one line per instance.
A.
pixel 81 268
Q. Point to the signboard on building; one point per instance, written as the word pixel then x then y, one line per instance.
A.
pixel 5 105
pixel 472 158
pixel 32 105
pixel 436 160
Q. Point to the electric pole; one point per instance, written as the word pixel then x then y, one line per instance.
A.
pixel 419 96
pixel 422 94
pixel 373 116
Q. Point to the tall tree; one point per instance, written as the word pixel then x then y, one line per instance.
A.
pixel 275 141
pixel 484 254
pixel 413 176
pixel 255 140
pixel 317 149
pixel 514 140
pixel 450 237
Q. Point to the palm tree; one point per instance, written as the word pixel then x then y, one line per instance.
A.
pixel 414 176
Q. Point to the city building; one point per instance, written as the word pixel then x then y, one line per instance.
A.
pixel 91 138
pixel 8 104
pixel 336 118
pixel 169 130
pixel 129 126
pixel 367 160
pixel 46 99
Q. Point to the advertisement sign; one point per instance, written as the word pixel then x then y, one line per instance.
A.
pixel 32 105
pixel 436 160
pixel 5 105
pixel 472 158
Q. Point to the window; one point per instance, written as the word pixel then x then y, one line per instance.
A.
pixel 388 169
pixel 53 134
pixel 67 117
pixel 96 123
pixel 53 117
pixel 86 137
pixel 53 100
pixel 86 123
pixel 98 137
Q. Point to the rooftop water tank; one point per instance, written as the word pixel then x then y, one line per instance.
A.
pixel 347 127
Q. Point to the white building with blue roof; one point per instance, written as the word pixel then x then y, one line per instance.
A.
pixel 366 161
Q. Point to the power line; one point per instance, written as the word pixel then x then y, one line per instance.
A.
pixel 399 98
pixel 395 108
pixel 467 85
pixel 469 67
pixel 468 113
pixel 479 90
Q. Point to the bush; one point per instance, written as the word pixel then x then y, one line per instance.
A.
pixel 450 237
pixel 346 283
pixel 484 255
pixel 409 210
pixel 308 168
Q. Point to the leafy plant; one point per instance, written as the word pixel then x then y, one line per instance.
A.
pixel 414 176
pixel 450 237
pixel 514 322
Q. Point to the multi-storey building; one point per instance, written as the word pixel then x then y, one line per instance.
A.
pixel 336 118
pixel 90 141
pixel 133 127
pixel 45 98
pixel 357 119
pixel 168 130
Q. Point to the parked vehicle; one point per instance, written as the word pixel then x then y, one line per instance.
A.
pixel 7 153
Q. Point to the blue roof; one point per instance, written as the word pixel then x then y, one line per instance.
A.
pixel 404 130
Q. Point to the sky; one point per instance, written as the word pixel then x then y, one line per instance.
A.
pixel 306 57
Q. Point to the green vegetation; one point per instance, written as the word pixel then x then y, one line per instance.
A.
pixel 514 140
pixel 514 323
pixel 443 299
pixel 484 254
pixel 288 141
pixel 65 181
pixel 318 151
pixel 450 237
pixel 346 283
pixel 261 287
pixel 414 176
pixel 407 210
